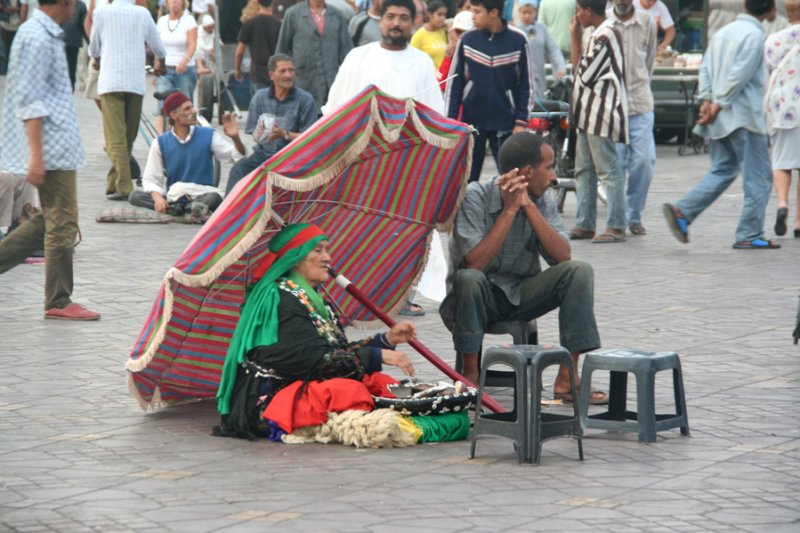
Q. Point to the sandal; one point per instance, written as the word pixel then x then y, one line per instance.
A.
pixel 597 397
pixel 677 222
pixel 637 229
pixel 578 234
pixel 756 244
pixel 608 237
pixel 411 309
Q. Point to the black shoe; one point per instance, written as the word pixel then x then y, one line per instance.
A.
pixel 176 210
pixel 117 197
pixel 780 221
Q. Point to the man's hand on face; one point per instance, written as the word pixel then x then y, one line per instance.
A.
pixel 229 125
pixel 514 190
pixel 574 27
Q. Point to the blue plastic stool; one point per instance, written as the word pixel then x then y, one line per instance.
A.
pixel 526 425
pixel 644 365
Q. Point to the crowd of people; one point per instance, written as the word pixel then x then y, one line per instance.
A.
pixel 478 61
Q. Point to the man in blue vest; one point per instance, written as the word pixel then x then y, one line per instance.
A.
pixel 179 176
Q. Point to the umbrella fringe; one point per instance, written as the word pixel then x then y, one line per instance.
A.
pixel 447 225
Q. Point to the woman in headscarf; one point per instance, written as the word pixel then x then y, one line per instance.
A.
pixel 288 337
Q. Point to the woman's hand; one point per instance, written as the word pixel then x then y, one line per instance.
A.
pixel 182 66
pixel 398 359
pixel 402 332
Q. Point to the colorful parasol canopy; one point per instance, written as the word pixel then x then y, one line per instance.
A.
pixel 378 175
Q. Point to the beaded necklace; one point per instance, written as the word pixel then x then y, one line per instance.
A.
pixel 170 28
pixel 327 328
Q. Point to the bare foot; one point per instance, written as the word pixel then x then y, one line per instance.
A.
pixel 472 377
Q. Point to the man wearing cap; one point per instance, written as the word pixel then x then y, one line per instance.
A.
pixel 462 23
pixel 179 176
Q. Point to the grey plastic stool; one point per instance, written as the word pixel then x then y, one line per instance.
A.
pixel 526 425
pixel 521 331
pixel 644 365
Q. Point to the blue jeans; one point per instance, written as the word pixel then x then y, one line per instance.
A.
pixel 596 158
pixel 744 150
pixel 172 80
pixel 638 158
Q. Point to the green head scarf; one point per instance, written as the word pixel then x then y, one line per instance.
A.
pixel 258 321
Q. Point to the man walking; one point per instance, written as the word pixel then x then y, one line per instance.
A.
pixel 40 138
pixel 639 43
pixel 731 89
pixel 119 35
pixel 260 35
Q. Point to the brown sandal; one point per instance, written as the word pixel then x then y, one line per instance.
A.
pixel 578 234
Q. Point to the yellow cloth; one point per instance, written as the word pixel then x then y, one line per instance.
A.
pixel 405 423
pixel 432 43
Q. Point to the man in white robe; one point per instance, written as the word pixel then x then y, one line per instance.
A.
pixel 391 64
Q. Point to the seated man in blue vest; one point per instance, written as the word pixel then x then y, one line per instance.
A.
pixel 179 176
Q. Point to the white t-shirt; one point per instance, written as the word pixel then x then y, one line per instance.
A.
pixel 173 35
pixel 659 12
pixel 200 7
pixel 407 73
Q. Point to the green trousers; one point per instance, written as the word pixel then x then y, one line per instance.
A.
pixel 121 114
pixel 53 229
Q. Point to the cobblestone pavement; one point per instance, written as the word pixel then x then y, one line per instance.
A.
pixel 77 453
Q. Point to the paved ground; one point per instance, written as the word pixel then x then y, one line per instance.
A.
pixel 77 454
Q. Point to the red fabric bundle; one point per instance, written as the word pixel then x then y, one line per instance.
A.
pixel 322 397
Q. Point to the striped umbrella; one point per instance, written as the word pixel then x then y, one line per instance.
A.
pixel 378 176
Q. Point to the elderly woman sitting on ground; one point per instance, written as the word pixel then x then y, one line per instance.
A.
pixel 289 341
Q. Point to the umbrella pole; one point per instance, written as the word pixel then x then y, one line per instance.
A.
pixel 347 285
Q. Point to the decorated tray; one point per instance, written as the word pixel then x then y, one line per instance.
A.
pixel 428 398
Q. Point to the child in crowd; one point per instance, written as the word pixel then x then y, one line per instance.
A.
pixel 462 22
pixel 431 38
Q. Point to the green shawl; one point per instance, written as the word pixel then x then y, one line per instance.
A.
pixel 258 324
